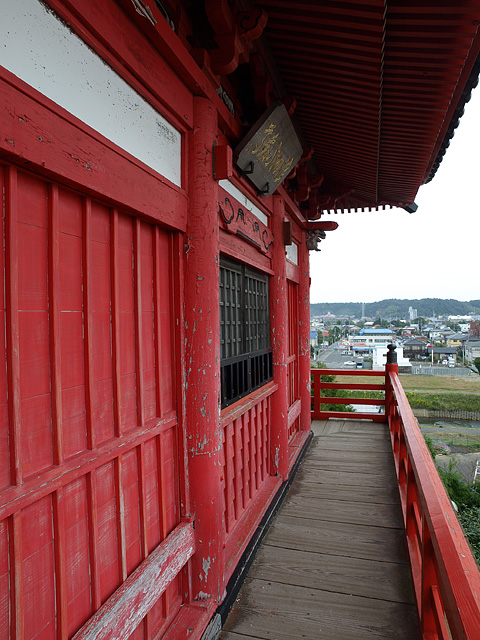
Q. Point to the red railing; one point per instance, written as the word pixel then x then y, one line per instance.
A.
pixel 445 575
pixel 318 400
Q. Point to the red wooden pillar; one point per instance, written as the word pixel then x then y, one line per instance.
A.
pixel 304 365
pixel 279 341
pixel 202 358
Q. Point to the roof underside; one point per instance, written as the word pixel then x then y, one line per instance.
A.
pixel 376 84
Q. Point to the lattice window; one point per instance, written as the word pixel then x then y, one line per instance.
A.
pixel 244 330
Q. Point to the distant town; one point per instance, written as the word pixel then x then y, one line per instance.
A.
pixel 448 340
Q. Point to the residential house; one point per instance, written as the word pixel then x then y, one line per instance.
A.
pixel 442 353
pixel 414 349
pixel 456 339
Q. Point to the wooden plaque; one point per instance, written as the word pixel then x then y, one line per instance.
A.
pixel 270 150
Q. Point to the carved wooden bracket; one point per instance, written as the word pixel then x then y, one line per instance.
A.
pixel 314 237
pixel 233 34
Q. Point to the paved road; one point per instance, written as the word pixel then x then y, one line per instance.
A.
pixel 334 359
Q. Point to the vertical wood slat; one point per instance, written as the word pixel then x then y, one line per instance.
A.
pixel 237 465
pixel 116 351
pixel 93 540
pixel 16 576
pixel 138 322
pixel 13 346
pixel 176 313
pixel 261 428
pixel 120 510
pixel 266 438
pixel 258 429
pixel 258 446
pixel 88 323
pixel 253 449
pixel 143 521
pixel 60 575
pixel 54 312
pixel 224 478
pixel 142 500
pixel 163 510
pixel 229 455
pixel 157 321
pixel 246 462
pixel 259 423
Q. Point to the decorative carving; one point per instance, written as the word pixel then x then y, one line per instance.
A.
pixel 245 224
pixel 233 34
pixel 314 236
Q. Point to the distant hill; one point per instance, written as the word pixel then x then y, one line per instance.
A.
pixel 395 308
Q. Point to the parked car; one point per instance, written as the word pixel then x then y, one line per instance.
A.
pixel 350 362
pixel 359 365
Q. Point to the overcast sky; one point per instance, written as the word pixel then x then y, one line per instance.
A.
pixel 432 253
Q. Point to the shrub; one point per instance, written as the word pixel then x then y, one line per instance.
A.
pixel 470 521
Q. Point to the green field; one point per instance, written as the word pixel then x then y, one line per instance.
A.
pixel 463 384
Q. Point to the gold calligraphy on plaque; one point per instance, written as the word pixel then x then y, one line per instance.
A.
pixel 269 152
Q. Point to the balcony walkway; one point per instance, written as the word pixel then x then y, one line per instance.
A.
pixel 334 562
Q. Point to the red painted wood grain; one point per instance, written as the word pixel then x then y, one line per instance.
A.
pixel 77 531
pixel 122 613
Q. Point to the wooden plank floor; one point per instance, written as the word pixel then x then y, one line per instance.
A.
pixel 333 564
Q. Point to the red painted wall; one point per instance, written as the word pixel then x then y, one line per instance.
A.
pixel 89 433
pixel 109 306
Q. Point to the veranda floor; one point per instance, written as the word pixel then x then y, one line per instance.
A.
pixel 333 565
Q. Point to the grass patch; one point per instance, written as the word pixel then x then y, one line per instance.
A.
pixel 444 401
pixel 348 379
pixel 470 384
pixel 470 521
pixel 466 444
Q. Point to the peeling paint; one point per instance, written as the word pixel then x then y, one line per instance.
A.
pixel 206 563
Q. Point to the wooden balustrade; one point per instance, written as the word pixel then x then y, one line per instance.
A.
pixel 445 575
pixel 318 385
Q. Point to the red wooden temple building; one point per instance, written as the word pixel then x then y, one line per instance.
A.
pixel 164 167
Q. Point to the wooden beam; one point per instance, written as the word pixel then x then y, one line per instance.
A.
pixel 119 616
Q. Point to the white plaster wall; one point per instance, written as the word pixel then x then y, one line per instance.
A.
pixel 41 50
pixel 292 252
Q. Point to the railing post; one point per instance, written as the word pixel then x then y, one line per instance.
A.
pixel 391 367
